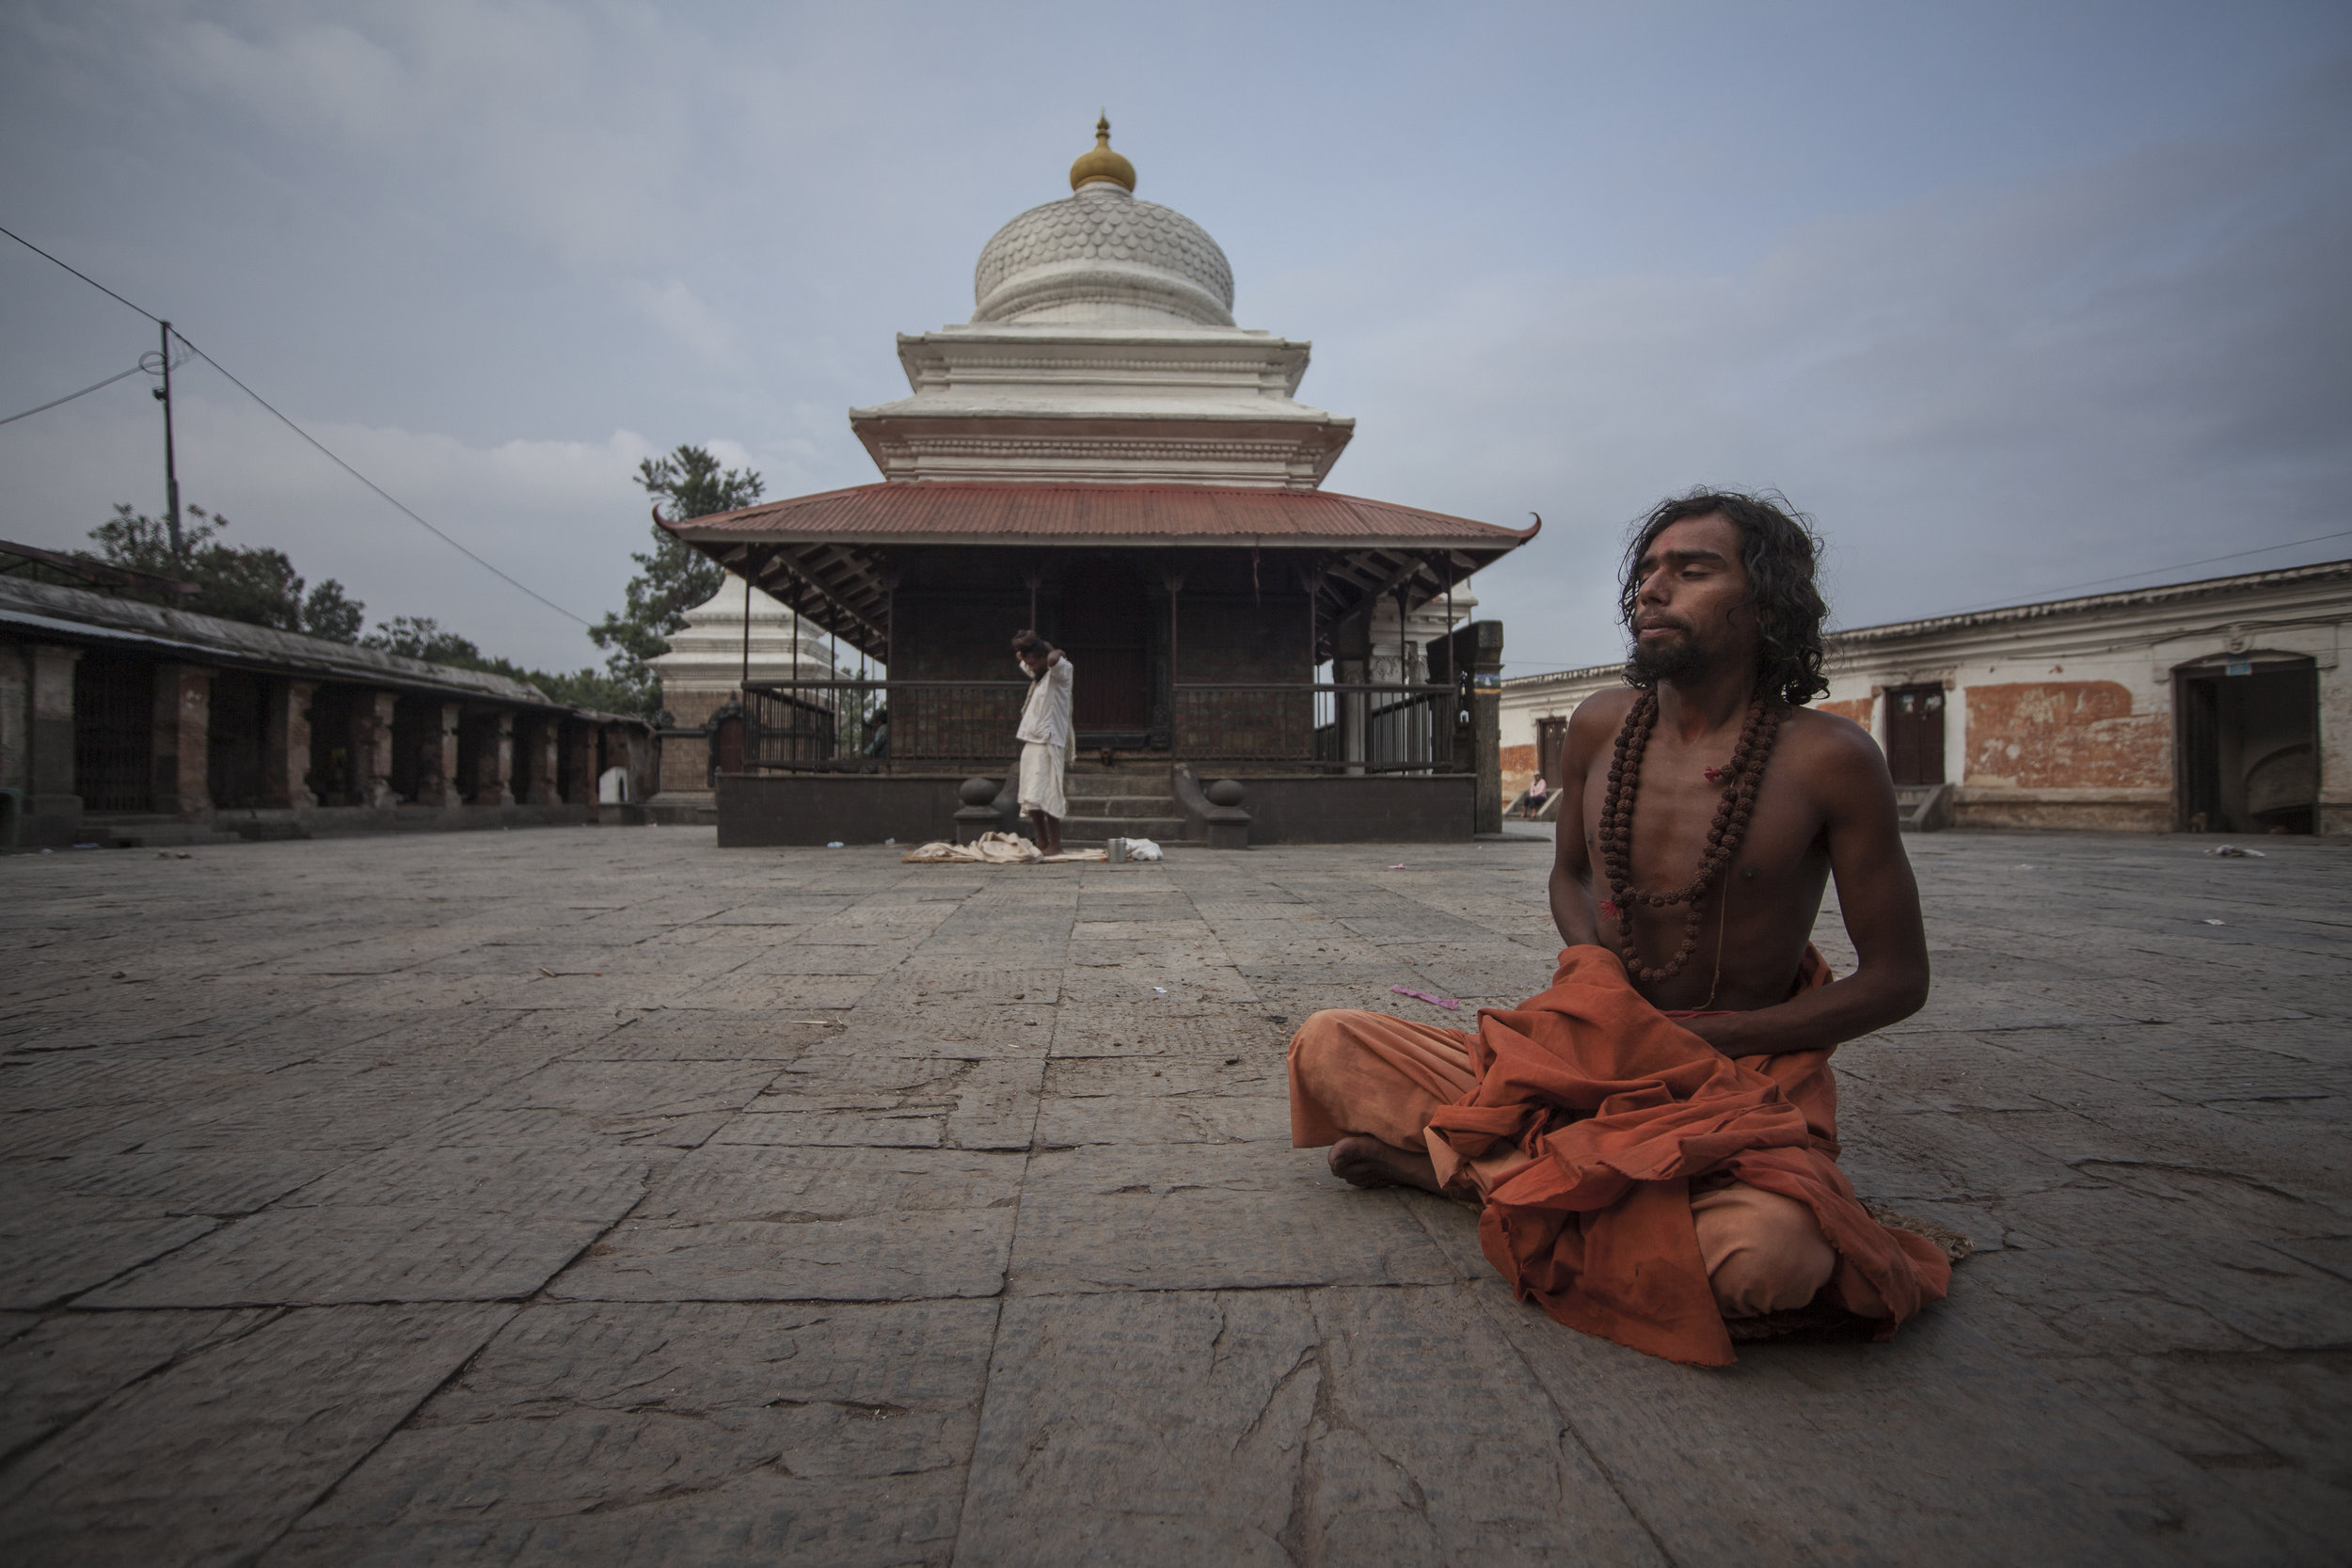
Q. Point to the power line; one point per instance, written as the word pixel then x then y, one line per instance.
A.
pixel 2151 571
pixel 70 396
pixel 288 424
pixel 80 273
pixel 378 488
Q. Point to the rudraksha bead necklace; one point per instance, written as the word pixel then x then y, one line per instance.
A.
pixel 1741 778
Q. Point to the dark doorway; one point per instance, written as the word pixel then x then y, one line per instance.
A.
pixel 234 739
pixel 2246 745
pixel 1914 734
pixel 726 746
pixel 1104 616
pixel 1551 736
pixel 114 733
pixel 332 711
pixel 522 762
pixel 416 745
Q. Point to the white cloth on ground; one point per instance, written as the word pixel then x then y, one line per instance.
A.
pixel 1041 769
pixel 992 850
pixel 1045 717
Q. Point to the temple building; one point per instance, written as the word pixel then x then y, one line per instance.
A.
pixel 2216 706
pixel 1102 453
pixel 738 634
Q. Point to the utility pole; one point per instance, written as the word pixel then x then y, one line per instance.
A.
pixel 171 467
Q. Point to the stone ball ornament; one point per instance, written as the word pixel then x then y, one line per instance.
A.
pixel 1224 792
pixel 977 791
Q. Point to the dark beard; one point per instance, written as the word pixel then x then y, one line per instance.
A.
pixel 1671 662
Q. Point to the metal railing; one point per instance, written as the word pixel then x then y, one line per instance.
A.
pixel 882 726
pixel 1320 726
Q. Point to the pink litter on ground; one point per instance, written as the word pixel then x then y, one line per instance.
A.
pixel 1398 867
pixel 1446 1002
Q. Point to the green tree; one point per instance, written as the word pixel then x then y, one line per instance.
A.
pixel 237 582
pixel 422 637
pixel 674 577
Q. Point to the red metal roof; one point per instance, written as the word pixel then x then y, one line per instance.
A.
pixel 918 514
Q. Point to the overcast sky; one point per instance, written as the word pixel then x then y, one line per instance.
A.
pixel 2010 297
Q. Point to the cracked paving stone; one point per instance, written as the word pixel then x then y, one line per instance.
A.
pixel 68 1364
pixel 1209 1216
pixel 359 1253
pixel 748 1222
pixel 1150 1100
pixel 588 1431
pixel 67 1245
pixel 895 1102
pixel 213 1457
pixel 1276 1427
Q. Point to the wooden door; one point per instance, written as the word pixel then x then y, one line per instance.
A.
pixel 1914 734
pixel 1104 612
pixel 1551 736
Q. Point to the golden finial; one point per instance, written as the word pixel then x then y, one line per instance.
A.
pixel 1103 163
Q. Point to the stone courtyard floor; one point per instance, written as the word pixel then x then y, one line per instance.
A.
pixel 594 1195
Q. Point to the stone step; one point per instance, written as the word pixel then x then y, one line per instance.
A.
pixel 1094 830
pixel 1123 805
pixel 154 832
pixel 1077 782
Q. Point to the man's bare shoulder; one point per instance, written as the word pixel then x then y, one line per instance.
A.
pixel 1832 750
pixel 1603 710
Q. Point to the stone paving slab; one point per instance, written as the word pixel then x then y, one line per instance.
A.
pixel 585 1196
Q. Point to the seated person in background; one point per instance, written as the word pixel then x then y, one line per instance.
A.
pixel 1653 1140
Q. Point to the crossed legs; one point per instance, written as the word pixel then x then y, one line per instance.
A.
pixel 1366 1083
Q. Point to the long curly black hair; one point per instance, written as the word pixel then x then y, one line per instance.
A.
pixel 1780 553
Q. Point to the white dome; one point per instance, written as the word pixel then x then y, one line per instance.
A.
pixel 1102 258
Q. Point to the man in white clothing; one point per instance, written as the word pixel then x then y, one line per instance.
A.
pixel 1045 737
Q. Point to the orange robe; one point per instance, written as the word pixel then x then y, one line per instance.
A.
pixel 1584 1114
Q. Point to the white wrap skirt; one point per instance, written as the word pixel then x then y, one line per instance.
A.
pixel 1042 769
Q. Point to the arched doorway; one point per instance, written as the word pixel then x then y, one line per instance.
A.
pixel 2246 744
pixel 1106 618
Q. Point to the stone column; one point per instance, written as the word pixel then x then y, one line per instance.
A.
pixel 494 770
pixel 286 746
pixel 1485 705
pixel 581 741
pixel 542 744
pixel 437 783
pixel 49 735
pixel 371 743
pixel 184 706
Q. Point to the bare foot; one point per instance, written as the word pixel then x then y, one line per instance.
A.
pixel 1366 1162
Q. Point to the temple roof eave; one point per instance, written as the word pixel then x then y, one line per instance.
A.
pixel 838 554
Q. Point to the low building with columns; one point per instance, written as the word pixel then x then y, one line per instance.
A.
pixel 124 723
pixel 2214 706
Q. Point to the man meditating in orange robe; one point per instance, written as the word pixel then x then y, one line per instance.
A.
pixel 1654 1138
